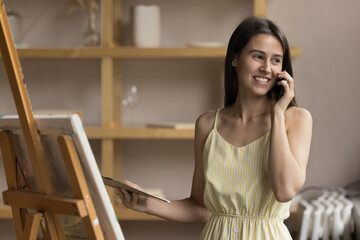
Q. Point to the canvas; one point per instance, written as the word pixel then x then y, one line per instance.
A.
pixel 50 127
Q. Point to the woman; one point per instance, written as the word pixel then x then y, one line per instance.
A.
pixel 251 155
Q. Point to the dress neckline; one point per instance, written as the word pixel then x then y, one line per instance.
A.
pixel 239 147
pixel 224 140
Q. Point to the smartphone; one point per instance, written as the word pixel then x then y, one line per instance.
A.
pixel 278 89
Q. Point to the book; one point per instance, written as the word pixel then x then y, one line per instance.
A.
pixel 117 184
pixel 174 125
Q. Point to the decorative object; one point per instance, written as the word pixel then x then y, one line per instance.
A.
pixel 146 26
pixel 130 100
pixel 91 7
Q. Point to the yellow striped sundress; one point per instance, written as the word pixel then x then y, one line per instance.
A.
pixel 237 191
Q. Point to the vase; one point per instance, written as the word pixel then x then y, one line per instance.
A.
pixel 146 26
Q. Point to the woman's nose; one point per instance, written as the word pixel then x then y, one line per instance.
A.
pixel 265 67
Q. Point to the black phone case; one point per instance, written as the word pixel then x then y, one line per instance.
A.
pixel 278 89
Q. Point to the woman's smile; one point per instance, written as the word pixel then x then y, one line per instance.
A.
pixel 262 80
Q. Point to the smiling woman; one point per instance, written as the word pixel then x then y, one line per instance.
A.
pixel 251 155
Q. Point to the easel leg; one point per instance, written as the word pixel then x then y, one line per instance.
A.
pixel 32 226
pixel 54 228
pixel 9 159
pixel 79 186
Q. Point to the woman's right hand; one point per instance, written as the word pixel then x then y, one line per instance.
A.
pixel 131 200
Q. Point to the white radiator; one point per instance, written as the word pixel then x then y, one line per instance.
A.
pixel 356 214
pixel 329 216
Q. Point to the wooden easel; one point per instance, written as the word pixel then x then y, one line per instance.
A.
pixel 44 202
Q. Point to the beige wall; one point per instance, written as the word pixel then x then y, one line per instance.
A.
pixel 327 82
pixel 326 75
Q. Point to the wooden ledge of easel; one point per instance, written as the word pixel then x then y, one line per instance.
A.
pixel 45 203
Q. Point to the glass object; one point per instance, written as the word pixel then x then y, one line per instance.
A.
pixel 91 7
pixel 131 100
pixel 92 37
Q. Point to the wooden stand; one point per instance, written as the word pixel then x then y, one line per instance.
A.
pixel 47 206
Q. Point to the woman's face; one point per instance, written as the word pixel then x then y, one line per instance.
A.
pixel 258 64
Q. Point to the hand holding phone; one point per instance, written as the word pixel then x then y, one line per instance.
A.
pixel 283 91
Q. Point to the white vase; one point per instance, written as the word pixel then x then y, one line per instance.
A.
pixel 146 26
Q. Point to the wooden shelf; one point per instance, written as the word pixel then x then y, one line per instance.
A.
pixel 77 52
pixel 122 52
pixel 185 52
pixel 138 133
pixel 295 51
pixel 129 52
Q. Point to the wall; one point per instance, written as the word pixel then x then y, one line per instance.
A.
pixel 325 75
pixel 327 82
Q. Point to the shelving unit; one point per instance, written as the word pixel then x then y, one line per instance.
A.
pixel 111 131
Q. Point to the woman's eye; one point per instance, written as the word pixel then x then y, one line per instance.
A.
pixel 276 60
pixel 257 56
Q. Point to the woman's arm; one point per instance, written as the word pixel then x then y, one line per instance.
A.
pixel 289 145
pixel 189 210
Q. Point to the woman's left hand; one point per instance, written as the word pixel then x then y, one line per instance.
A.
pixel 288 94
pixel 131 200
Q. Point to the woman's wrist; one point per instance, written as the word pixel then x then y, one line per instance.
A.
pixel 277 113
pixel 150 206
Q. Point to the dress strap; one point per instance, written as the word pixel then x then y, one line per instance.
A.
pixel 216 119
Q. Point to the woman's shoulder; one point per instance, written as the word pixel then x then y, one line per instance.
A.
pixel 296 112
pixel 205 123
pixel 206 119
pixel 296 116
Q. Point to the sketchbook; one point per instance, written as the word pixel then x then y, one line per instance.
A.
pixel 116 184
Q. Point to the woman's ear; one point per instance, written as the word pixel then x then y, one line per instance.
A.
pixel 234 62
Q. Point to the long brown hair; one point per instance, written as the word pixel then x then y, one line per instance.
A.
pixel 240 37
